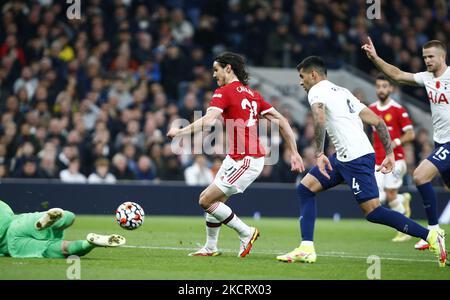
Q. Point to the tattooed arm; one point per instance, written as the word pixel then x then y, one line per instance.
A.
pixel 370 118
pixel 318 111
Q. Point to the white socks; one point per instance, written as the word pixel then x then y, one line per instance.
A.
pixel 212 231
pixel 224 214
pixel 307 243
pixel 430 227
pixel 397 205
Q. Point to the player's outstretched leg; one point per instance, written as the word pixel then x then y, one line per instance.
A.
pixel 434 237
pixel 66 221
pixel 60 249
pixel 49 218
pixel 99 240
pixel 212 236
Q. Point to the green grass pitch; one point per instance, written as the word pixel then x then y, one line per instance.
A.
pixel 158 250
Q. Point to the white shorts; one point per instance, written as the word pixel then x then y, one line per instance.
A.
pixel 234 177
pixel 393 180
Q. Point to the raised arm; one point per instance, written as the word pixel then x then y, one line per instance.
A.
pixel 394 73
pixel 286 131
pixel 196 126
pixel 370 118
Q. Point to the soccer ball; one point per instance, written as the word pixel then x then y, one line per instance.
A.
pixel 130 215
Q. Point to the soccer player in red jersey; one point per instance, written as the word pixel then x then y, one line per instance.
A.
pixel 240 106
pixel 401 131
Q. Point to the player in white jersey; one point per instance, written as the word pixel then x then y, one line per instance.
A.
pixel 437 84
pixel 338 112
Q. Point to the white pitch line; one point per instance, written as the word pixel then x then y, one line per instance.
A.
pixel 325 254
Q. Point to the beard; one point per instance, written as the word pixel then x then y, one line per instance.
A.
pixel 383 97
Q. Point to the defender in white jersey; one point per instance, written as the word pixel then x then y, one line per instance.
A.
pixel 336 111
pixel 437 83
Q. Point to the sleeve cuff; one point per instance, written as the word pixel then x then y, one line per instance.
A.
pixel 407 127
pixel 215 107
pixel 266 111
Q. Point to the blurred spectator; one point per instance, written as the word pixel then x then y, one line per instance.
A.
pixel 216 163
pixel 182 30
pixel 198 173
pixel 120 168
pixel 47 167
pixel 101 174
pixel 145 169
pixel 28 169
pixel 172 170
pixel 280 46
pixel 26 81
pixel 72 173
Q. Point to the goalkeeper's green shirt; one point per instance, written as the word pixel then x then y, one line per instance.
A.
pixel 6 217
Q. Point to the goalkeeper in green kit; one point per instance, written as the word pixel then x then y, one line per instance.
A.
pixel 41 234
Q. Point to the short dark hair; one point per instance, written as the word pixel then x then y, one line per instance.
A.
pixel 236 62
pixel 435 43
pixel 383 77
pixel 313 62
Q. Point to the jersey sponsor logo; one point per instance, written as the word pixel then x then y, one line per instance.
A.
pixel 437 98
pixel 241 89
pixel 217 95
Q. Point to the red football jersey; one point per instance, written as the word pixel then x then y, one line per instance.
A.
pixel 241 107
pixel 397 121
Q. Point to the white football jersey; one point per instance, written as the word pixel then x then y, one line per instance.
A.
pixel 344 126
pixel 438 90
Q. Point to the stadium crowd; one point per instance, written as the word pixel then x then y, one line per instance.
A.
pixel 90 100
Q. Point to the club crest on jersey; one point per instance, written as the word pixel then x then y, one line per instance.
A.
pixel 388 117
pixel 437 98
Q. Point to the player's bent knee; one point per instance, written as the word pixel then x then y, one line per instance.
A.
pixel 304 192
pixel 204 201
pixel 369 206
pixel 419 177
